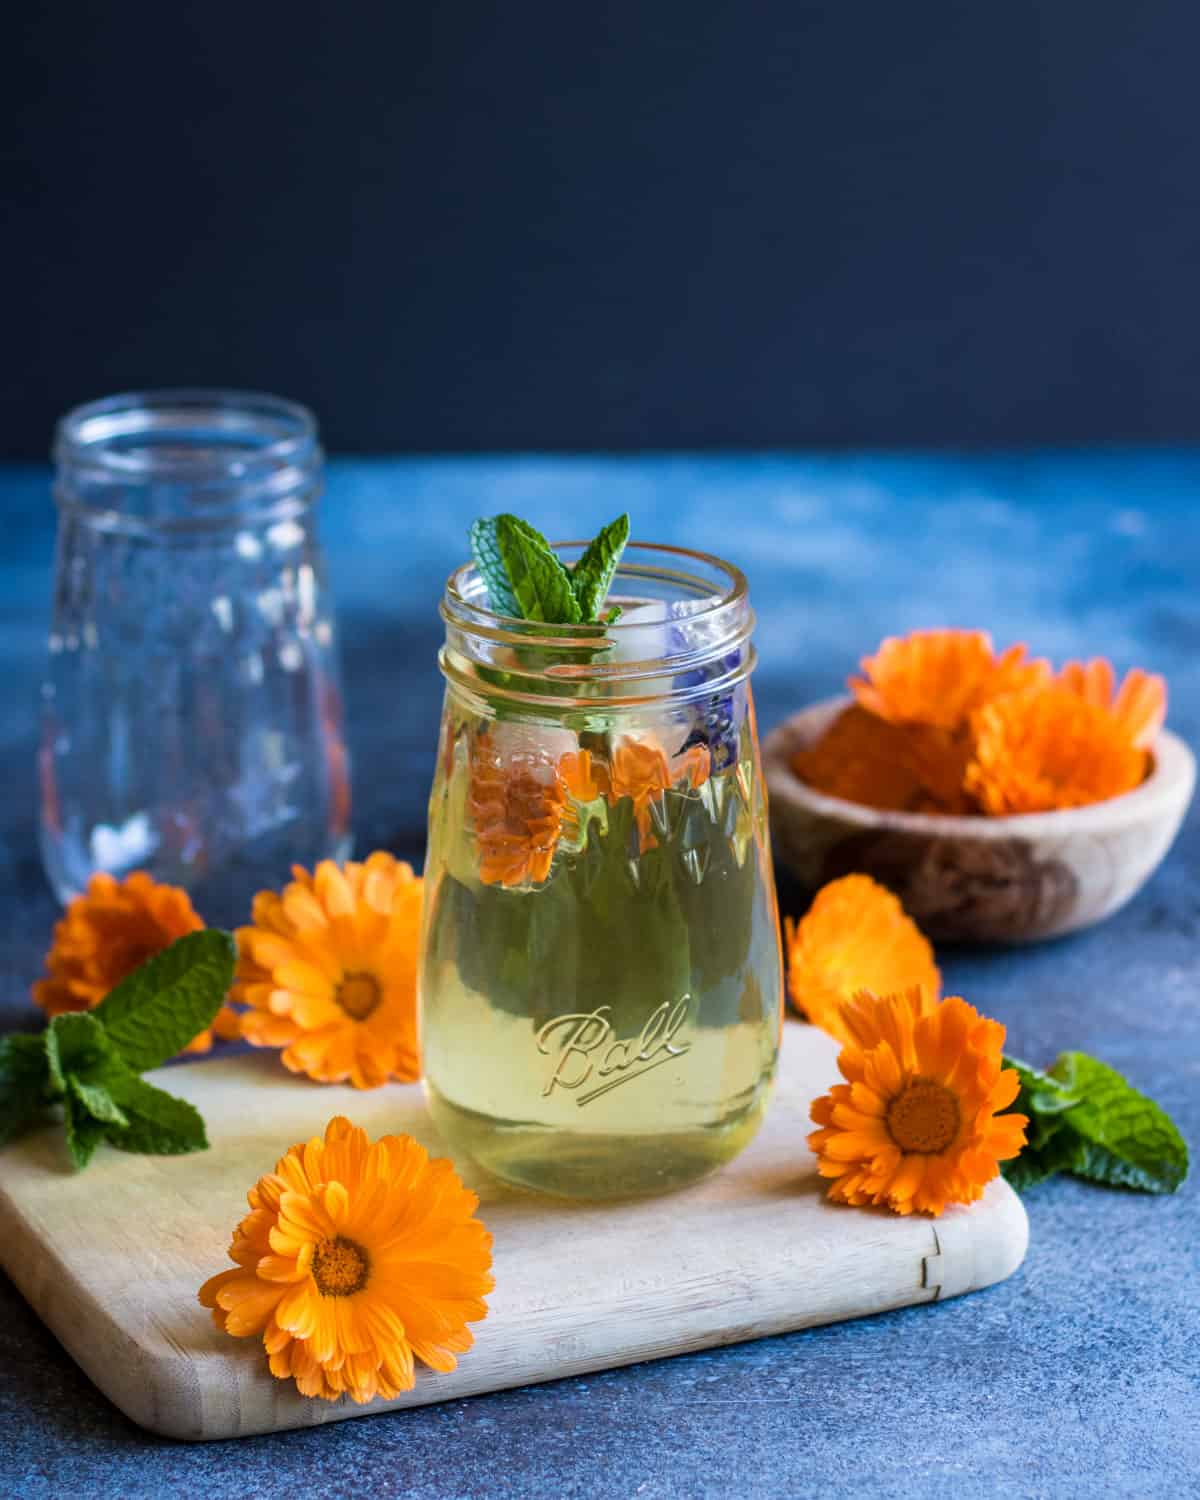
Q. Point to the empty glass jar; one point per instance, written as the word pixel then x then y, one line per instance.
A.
pixel 191 712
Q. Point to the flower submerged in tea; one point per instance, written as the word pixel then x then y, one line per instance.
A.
pixel 522 799
pixel 642 772
pixel 516 804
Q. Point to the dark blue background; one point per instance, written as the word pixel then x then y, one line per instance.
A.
pixel 634 225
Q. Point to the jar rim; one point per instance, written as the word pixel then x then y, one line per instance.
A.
pixel 708 650
pixel 469 612
pixel 229 451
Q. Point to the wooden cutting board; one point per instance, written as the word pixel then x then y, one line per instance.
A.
pixel 111 1258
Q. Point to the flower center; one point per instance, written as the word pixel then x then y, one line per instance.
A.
pixel 358 995
pixel 339 1267
pixel 924 1117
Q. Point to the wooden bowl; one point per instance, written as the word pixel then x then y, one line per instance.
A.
pixel 985 880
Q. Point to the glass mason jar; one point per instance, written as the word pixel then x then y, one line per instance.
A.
pixel 601 989
pixel 191 712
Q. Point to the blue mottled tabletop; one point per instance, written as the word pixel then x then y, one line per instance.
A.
pixel 1083 1370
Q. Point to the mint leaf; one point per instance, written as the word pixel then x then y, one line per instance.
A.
pixel 1050 1146
pixel 592 575
pixel 541 585
pixel 1126 1139
pixel 158 1122
pixel 82 1063
pixel 76 1043
pixel 96 1099
pixel 486 551
pixel 155 1012
pixel 84 1133
pixel 1057 1153
pixel 24 1082
pixel 23 1054
pixel 1085 1119
pixel 1041 1093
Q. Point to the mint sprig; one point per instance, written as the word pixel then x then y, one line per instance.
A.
pixel 156 1011
pixel 540 583
pixel 485 548
pixel 158 1124
pixel 89 1062
pixel 592 575
pixel 527 580
pixel 1084 1118
pixel 22 1082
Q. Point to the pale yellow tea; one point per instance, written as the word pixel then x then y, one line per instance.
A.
pixel 614 1029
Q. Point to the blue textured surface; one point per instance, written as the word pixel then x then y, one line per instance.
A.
pixel 1080 1373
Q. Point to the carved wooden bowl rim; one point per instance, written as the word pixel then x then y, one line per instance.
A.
pixel 1168 786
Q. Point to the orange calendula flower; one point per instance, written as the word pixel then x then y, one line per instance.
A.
pixel 855 936
pixel 516 804
pixel 939 759
pixel 329 972
pixel 895 767
pixel 693 765
pixel 1049 748
pixel 584 778
pixel 641 771
pixel 917 1124
pixel 107 933
pixel 860 758
pixel 355 1259
pixel 521 802
pixel 941 677
pixel 1139 705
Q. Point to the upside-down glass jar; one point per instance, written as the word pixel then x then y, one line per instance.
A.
pixel 191 708
pixel 601 993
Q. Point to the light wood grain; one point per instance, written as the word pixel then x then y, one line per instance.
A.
pixel 111 1258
